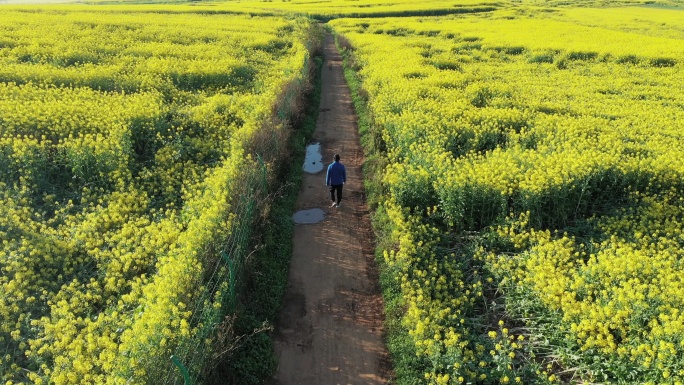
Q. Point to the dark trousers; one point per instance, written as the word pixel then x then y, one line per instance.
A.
pixel 336 188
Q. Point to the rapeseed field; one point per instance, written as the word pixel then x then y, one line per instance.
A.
pixel 534 190
pixel 127 191
pixel 531 185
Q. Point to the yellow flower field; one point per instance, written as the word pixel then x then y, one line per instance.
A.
pixel 126 192
pixel 364 8
pixel 321 10
pixel 534 189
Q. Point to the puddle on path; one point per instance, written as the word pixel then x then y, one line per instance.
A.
pixel 308 216
pixel 313 163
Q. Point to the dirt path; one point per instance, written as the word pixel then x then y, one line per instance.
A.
pixel 330 329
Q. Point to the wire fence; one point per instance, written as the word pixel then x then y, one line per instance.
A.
pixel 224 268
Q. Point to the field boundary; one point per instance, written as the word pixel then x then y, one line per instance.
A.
pixel 252 360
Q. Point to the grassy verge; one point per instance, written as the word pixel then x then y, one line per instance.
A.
pixel 407 368
pixel 260 299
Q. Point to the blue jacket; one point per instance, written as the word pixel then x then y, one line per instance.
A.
pixel 336 174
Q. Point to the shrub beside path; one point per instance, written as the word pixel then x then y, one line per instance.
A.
pixel 331 326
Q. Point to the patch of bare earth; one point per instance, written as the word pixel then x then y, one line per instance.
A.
pixel 330 330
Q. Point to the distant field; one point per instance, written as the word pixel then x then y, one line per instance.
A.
pixel 331 9
pixel 367 8
pixel 319 9
pixel 534 189
pixel 19 2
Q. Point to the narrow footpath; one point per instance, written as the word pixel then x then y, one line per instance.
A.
pixel 331 326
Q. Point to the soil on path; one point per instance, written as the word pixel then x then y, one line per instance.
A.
pixel 331 327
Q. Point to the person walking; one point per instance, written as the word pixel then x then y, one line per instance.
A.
pixel 335 179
